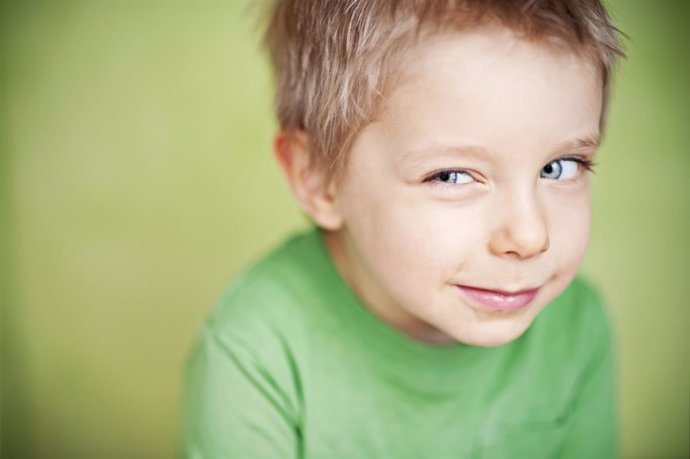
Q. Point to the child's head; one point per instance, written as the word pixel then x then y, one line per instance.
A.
pixel 335 60
pixel 444 148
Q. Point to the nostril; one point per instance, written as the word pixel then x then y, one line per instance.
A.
pixel 521 240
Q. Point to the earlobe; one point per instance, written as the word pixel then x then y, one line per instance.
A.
pixel 309 183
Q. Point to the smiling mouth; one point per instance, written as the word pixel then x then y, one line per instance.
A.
pixel 497 300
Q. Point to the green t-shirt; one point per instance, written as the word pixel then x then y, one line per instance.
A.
pixel 290 364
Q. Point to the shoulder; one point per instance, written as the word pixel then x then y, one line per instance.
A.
pixel 265 301
pixel 243 376
pixel 577 323
pixel 256 334
pixel 580 304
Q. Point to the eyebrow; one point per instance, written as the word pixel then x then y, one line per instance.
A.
pixel 590 141
pixel 415 157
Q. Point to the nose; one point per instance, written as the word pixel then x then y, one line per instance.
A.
pixel 522 231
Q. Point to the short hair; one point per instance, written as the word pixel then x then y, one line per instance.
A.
pixel 333 59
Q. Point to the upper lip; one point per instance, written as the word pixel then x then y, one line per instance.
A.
pixel 502 292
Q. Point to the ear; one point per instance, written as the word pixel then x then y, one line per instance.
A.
pixel 314 192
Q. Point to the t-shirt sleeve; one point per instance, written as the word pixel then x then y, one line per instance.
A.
pixel 233 407
pixel 593 427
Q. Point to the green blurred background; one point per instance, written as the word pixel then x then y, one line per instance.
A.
pixel 136 179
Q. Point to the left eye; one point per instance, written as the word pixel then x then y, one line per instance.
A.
pixel 451 177
pixel 561 169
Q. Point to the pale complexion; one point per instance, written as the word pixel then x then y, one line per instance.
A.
pixel 461 181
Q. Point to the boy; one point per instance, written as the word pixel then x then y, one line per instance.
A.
pixel 443 150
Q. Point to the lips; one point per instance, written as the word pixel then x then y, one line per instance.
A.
pixel 498 300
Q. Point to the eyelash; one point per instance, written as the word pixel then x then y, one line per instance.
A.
pixel 585 163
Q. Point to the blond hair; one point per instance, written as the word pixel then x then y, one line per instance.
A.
pixel 333 59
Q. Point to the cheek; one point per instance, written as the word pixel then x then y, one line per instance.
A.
pixel 570 230
pixel 413 245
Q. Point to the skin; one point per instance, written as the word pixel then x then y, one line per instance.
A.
pixel 500 112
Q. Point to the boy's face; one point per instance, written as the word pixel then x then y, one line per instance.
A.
pixel 461 181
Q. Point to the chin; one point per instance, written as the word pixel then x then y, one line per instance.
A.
pixel 492 338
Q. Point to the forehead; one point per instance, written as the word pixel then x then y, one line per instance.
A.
pixel 489 87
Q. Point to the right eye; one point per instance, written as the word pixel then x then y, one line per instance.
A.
pixel 450 177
